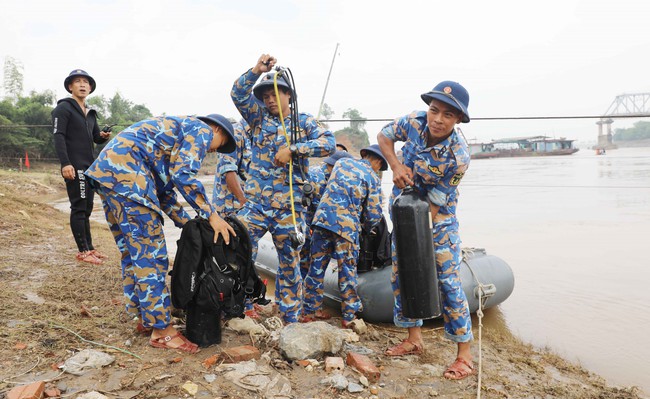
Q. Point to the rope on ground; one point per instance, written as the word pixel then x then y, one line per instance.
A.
pixel 95 343
pixel 8 379
pixel 482 297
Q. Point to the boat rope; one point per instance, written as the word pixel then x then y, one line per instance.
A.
pixel 482 295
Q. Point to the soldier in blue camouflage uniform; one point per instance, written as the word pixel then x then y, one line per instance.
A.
pixel 318 176
pixel 435 157
pixel 352 200
pixel 135 175
pixel 268 206
pixel 231 174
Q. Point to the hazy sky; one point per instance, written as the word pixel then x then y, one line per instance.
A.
pixel 516 58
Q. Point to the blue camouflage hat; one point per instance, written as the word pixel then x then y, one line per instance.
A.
pixel 74 74
pixel 451 93
pixel 267 81
pixel 375 151
pixel 222 121
pixel 331 160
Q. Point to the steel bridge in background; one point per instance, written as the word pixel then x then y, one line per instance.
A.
pixel 623 105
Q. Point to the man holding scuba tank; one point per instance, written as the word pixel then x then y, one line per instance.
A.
pixel 351 201
pixel 282 139
pixel 136 175
pixel 435 157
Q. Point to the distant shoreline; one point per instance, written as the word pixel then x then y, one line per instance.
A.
pixel 633 143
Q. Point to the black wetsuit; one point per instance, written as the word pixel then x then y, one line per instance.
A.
pixel 74 134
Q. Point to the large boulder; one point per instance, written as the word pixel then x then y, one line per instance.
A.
pixel 300 341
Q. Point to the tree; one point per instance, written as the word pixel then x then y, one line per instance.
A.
pixel 118 110
pixel 357 122
pixel 639 131
pixel 26 122
pixel 25 125
pixel 13 78
pixel 355 134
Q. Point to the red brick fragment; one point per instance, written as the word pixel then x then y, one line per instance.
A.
pixel 31 391
pixel 364 365
pixel 210 361
pixel 240 354
pixel 52 392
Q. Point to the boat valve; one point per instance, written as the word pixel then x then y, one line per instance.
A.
pixel 485 291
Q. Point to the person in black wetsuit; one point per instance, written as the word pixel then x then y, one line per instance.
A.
pixel 75 129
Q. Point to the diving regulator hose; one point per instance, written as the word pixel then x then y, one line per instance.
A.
pixel 299 235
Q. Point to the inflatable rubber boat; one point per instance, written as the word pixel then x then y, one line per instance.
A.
pixel 477 269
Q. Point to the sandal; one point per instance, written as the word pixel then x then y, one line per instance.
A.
pixel 318 315
pixel 88 257
pixel 141 329
pixel 163 342
pixel 402 349
pixel 97 254
pixel 308 318
pixel 459 369
pixel 321 315
pixel 346 323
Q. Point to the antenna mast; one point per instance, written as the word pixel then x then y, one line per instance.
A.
pixel 322 101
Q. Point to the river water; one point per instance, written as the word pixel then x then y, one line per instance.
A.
pixel 574 229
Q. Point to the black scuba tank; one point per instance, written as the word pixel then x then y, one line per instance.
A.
pixel 416 264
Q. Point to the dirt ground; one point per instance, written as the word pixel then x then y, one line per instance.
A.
pixel 52 307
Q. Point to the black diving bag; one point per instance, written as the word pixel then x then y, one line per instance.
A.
pixel 374 247
pixel 215 275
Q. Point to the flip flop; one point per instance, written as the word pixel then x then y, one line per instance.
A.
pixel 163 342
pixel 402 350
pixel 459 369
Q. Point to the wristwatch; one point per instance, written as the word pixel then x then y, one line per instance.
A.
pixel 293 149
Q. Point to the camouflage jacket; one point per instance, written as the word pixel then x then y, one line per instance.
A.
pixel 437 169
pixel 352 199
pixel 147 160
pixel 268 185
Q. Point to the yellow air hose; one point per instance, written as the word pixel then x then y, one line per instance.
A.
pixel 286 136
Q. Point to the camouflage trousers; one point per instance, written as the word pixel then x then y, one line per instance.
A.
pixel 288 282
pixel 326 245
pixel 138 233
pixel 455 309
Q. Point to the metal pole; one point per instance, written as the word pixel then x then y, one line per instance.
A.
pixel 322 101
